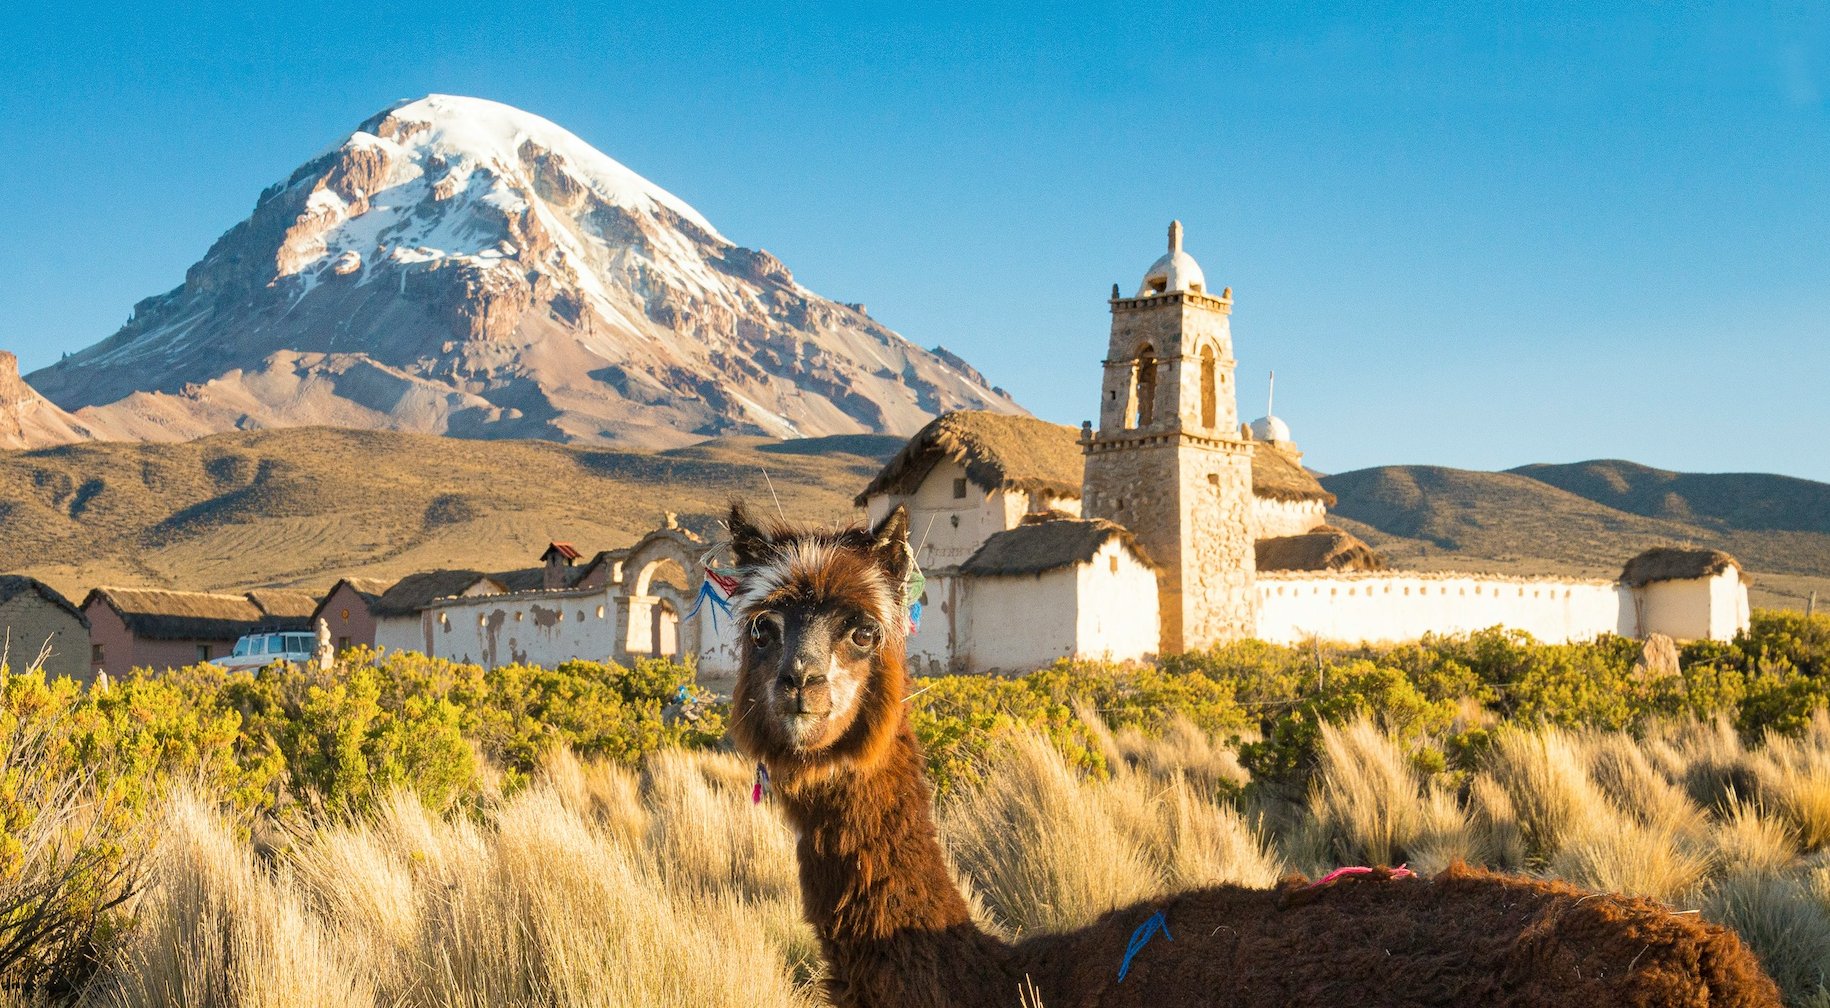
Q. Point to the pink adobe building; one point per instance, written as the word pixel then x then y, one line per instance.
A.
pixel 151 628
pixel 348 610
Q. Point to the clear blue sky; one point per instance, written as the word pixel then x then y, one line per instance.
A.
pixel 1473 235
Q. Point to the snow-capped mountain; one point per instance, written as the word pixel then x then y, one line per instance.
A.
pixel 458 266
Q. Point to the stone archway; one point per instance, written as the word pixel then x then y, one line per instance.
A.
pixel 661 576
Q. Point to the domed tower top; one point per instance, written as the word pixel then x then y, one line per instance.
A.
pixel 1175 271
pixel 1270 428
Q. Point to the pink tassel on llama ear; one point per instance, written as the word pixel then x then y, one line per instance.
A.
pixel 761 787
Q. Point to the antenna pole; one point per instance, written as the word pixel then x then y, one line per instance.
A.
pixel 1270 396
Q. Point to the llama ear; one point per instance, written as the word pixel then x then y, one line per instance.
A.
pixel 748 543
pixel 890 545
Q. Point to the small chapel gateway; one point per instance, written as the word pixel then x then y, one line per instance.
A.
pixel 1171 526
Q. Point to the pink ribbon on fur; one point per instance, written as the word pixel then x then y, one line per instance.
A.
pixel 1339 873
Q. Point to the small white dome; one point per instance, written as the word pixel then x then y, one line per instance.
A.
pixel 1270 428
pixel 1175 271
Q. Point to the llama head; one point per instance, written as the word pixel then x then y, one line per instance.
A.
pixel 824 625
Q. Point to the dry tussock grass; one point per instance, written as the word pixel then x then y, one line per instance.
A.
pixel 1369 806
pixel 599 885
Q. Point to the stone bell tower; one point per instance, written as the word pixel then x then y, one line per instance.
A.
pixel 1168 461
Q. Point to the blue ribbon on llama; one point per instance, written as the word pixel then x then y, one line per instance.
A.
pixel 1141 937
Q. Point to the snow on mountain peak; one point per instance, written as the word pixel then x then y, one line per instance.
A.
pixel 491 131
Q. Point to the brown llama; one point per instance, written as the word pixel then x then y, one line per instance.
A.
pixel 819 703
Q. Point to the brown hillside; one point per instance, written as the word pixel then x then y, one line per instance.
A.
pixel 303 507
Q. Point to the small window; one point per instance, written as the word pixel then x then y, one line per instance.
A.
pixel 203 652
pixel 343 643
pixel 95 654
pixel 1113 562
pixel 959 488
pixel 600 612
pixel 345 615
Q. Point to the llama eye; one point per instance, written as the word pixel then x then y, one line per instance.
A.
pixel 866 637
pixel 762 632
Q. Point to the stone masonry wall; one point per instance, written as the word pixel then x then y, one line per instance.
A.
pixel 1219 562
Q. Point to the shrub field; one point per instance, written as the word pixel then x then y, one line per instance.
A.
pixel 407 831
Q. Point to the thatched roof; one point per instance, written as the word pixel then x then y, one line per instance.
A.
pixel 369 590
pixel 1676 563
pixel 155 614
pixel 1320 549
pixel 1036 547
pixel 1003 452
pixel 416 591
pixel 12 585
pixel 527 578
pixel 999 451
pixel 282 603
pixel 1280 477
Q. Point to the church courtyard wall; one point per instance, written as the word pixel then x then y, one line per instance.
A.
pixel 1389 607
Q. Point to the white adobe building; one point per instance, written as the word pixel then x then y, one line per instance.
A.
pixel 623 605
pixel 1171 526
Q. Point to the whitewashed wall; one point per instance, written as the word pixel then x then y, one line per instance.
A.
pixel 948 529
pixel 1021 622
pixel 1273 518
pixel 1401 606
pixel 546 628
pixel 931 646
pixel 401 633
pixel 530 628
pixel 1714 607
pixel 1027 621
pixel 1119 618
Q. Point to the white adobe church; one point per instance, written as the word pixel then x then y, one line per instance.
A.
pixel 1173 527
pixel 1170 527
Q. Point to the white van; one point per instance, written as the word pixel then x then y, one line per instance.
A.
pixel 259 650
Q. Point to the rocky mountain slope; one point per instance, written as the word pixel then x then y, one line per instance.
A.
pixel 27 419
pixel 456 266
pixel 1587 517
